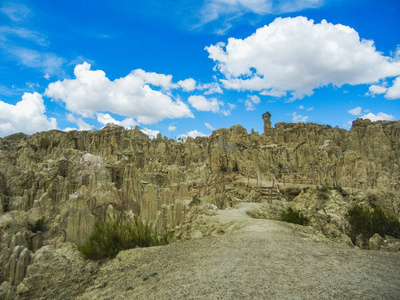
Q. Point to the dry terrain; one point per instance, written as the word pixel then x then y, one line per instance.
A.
pixel 255 259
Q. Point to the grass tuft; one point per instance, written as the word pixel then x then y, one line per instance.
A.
pixel 111 237
pixel 294 216
pixel 368 222
pixel 39 225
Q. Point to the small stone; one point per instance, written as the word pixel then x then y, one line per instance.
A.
pixel 375 242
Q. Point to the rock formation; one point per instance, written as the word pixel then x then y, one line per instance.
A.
pixel 267 122
pixel 71 179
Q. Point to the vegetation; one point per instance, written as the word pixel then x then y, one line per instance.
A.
pixel 195 201
pixel 323 190
pixel 111 237
pixel 368 222
pixel 223 168
pixel 339 188
pixel 294 216
pixel 39 225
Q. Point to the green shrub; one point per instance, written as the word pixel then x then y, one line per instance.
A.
pixel 324 188
pixel 323 195
pixel 339 188
pixel 222 168
pixel 368 222
pixel 39 225
pixel 294 216
pixel 195 201
pixel 322 191
pixel 111 237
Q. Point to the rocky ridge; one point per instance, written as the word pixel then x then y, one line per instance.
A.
pixel 71 179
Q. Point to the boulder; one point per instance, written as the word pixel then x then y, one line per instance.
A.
pixel 375 242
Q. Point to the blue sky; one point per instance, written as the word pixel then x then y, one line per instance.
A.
pixel 188 67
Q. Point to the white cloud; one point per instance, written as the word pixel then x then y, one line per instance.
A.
pixel 27 116
pixel 46 62
pixel 301 107
pixel 210 88
pixel 16 12
pixel 376 90
pixel 151 78
pixel 82 125
pixel 24 33
pixel 298 118
pixel 310 109
pixel 129 96
pixel 171 128
pixel 231 10
pixel 296 56
pixel 209 126
pixel 251 102
pixel 192 134
pixel 151 133
pixel 106 118
pixel 394 91
pixel 202 104
pixel 378 117
pixel 355 111
pixel 188 85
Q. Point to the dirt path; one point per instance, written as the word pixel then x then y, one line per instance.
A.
pixel 260 259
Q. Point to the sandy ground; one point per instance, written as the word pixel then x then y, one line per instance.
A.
pixel 260 259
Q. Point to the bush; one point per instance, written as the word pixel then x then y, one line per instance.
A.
pixel 368 222
pixel 322 191
pixel 111 237
pixel 222 168
pixel 339 188
pixel 39 225
pixel 294 216
pixel 195 201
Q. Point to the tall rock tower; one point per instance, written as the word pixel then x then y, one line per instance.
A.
pixel 267 122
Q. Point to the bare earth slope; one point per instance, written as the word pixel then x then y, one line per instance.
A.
pixel 257 259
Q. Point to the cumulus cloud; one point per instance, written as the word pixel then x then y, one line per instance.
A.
pixel 151 78
pixel 296 56
pixel 192 134
pixel 251 102
pixel 355 111
pixel 394 91
pixel 188 85
pixel 151 133
pixel 27 116
pixel 378 117
pixel 298 118
pixel 201 103
pixel 82 125
pixel 171 128
pixel 130 96
pixel 106 118
pixel 376 89
pixel 210 88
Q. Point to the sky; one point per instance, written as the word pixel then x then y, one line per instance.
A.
pixel 185 68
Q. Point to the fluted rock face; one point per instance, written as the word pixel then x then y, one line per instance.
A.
pixel 72 179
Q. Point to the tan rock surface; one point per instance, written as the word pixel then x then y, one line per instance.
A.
pixel 259 259
pixel 72 179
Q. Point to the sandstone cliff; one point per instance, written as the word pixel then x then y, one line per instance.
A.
pixel 71 179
